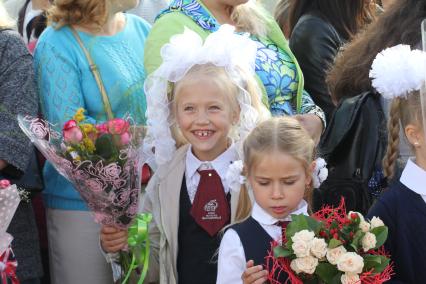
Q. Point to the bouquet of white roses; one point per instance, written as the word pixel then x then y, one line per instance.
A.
pixel 331 246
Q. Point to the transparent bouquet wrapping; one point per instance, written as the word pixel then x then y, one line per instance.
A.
pixel 9 201
pixel 107 179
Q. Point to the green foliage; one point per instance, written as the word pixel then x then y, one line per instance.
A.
pixel 381 234
pixel 334 243
pixel 280 251
pixel 302 222
pixel 106 148
pixel 376 262
pixel 326 272
pixel 357 240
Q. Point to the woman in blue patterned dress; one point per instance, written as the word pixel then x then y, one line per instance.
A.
pixel 276 66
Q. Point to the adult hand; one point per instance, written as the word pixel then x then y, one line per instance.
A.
pixel 3 164
pixel 113 239
pixel 254 274
pixel 312 124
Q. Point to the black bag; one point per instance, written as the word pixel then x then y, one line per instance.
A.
pixel 31 180
pixel 353 146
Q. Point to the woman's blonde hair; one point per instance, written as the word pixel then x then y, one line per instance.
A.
pixel 403 111
pixel 282 134
pixel 5 20
pixel 250 17
pixel 78 12
pixel 227 85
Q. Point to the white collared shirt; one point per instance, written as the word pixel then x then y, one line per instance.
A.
pixel 414 178
pixel 232 259
pixel 220 165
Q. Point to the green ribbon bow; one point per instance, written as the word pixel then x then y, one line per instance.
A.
pixel 138 241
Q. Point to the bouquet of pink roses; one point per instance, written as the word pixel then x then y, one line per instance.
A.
pixel 331 247
pixel 100 160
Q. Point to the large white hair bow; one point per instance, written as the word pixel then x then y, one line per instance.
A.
pixel 398 70
pixel 236 53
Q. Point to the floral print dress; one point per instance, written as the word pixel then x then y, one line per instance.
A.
pixel 274 66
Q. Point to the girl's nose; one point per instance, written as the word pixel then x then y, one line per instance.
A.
pixel 202 118
pixel 277 191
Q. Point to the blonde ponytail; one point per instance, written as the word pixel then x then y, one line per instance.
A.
pixel 244 205
pixel 250 17
pixel 392 150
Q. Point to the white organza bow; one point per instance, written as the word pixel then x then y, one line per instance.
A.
pixel 236 53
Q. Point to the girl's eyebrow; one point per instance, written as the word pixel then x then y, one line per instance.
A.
pixel 285 177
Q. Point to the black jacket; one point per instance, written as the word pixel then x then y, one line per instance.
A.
pixel 353 145
pixel 315 43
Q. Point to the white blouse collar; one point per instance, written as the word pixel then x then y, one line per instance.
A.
pixel 414 178
pixel 261 216
pixel 220 164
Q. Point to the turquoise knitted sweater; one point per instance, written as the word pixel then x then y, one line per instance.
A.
pixel 66 83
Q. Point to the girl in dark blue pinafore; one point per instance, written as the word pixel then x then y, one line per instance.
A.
pixel 403 206
pixel 278 165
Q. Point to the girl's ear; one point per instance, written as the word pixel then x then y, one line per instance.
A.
pixel 413 134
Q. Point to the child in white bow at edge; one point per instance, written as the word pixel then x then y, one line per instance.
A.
pixel 280 172
pixel 398 74
pixel 203 100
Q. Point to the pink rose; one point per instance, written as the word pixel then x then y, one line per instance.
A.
pixel 124 139
pixel 4 183
pixel 118 126
pixel 70 124
pixel 72 133
pixel 102 128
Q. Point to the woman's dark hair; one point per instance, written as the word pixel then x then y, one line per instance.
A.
pixel 400 24
pixel 37 24
pixel 346 16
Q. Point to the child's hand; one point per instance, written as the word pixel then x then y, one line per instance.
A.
pixel 254 274
pixel 113 239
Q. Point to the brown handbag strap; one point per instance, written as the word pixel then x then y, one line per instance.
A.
pixel 95 72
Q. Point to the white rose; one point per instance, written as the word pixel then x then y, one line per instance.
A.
pixel 301 248
pixel 368 241
pixel 334 254
pixel 350 278
pixel 303 235
pixel 306 264
pixel 319 248
pixel 350 262
pixel 359 215
pixel 376 222
pixel 364 226
pixel 294 267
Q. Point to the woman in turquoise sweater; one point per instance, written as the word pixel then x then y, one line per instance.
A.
pixel 276 67
pixel 115 41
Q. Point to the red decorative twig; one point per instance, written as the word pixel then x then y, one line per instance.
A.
pixel 279 265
